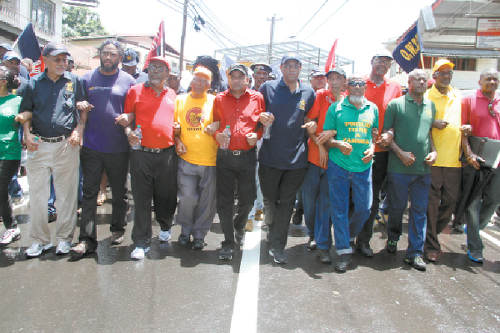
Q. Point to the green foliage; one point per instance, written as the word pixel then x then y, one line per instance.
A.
pixel 80 21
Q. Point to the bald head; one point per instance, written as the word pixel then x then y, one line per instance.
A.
pixel 488 80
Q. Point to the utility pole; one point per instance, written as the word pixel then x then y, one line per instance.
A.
pixel 183 37
pixel 270 50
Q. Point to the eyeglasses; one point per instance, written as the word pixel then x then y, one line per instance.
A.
pixel 356 83
pixel 450 73
pixel 157 68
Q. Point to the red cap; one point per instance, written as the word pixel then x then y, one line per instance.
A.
pixel 162 60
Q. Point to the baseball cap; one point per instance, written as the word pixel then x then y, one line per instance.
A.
pixel 203 72
pixel 237 67
pixel 162 60
pixel 290 57
pixel 440 63
pixel 54 49
pixel 338 71
pixel 11 55
pixel 316 72
pixel 130 57
pixel 6 46
pixel 261 66
pixel 382 53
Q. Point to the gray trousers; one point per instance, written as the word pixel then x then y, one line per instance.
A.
pixel 196 194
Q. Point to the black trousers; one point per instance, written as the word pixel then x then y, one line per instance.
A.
pixel 8 169
pixel 379 173
pixel 116 166
pixel 279 188
pixel 235 173
pixel 154 177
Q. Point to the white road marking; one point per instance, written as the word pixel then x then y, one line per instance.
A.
pixel 245 306
pixel 490 238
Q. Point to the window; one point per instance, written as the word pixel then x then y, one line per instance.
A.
pixel 461 64
pixel 42 15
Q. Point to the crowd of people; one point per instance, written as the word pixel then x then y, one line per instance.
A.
pixel 343 145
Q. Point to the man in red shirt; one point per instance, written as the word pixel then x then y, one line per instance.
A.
pixel 315 187
pixel 379 91
pixel 153 161
pixel 240 109
pixel 481 111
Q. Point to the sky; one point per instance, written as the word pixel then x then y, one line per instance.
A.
pixel 361 26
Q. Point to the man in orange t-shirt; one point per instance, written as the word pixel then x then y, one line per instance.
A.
pixel 379 91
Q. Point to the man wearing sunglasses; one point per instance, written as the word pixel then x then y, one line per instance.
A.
pixel 349 166
pixel 481 111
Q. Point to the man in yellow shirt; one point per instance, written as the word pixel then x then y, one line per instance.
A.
pixel 198 151
pixel 446 172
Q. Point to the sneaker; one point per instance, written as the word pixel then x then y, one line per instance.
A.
pixel 392 246
pixel 311 244
pixel 324 256
pixel 279 256
pixel 139 253
pixel 249 225
pixel 117 237
pixel 226 252
pixel 475 257
pixel 164 236
pixel 183 240
pixel 198 244
pixel 416 262
pixel 36 249
pixel 10 235
pixel 63 248
pixel 238 237
pixel 80 250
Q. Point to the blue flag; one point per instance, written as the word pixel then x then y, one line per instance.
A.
pixel 28 44
pixel 407 53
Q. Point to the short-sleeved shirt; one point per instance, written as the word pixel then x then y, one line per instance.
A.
pixel 411 123
pixel 475 112
pixel 194 114
pixel 241 114
pixel 155 114
pixel 107 94
pixel 10 147
pixel 140 77
pixel 381 95
pixel 355 127
pixel 286 148
pixel 324 98
pixel 53 104
pixel 447 140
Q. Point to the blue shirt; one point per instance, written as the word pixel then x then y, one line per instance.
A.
pixel 287 146
pixel 53 104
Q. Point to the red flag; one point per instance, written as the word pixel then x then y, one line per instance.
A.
pixel 38 67
pixel 330 61
pixel 158 46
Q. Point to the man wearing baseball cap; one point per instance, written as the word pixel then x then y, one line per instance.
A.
pixel 317 79
pixel 446 172
pixel 129 65
pixel 238 109
pixel 153 162
pixel 260 74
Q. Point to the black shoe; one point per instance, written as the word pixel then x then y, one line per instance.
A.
pixel 238 236
pixel 198 244
pixel 342 263
pixel 226 252
pixel 52 217
pixel 392 246
pixel 324 256
pixel 117 237
pixel 416 262
pixel 297 217
pixel 279 256
pixel 183 240
pixel 311 244
pixel 365 249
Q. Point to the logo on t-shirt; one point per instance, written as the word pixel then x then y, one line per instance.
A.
pixel 193 117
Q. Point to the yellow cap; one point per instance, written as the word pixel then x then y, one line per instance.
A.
pixel 441 63
pixel 203 72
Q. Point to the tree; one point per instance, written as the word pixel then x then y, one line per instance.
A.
pixel 80 21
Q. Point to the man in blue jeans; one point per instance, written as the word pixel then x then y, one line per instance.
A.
pixel 349 166
pixel 407 124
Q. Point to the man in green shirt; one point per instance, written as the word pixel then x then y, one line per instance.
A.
pixel 407 124
pixel 349 165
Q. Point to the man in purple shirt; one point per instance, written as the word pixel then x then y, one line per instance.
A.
pixel 105 146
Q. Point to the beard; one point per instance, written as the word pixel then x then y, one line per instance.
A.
pixel 356 99
pixel 108 68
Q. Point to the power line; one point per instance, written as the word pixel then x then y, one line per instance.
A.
pixel 328 18
pixel 310 19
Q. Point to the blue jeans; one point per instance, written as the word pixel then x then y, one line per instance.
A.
pixel 317 206
pixel 15 190
pixel 340 181
pixel 399 187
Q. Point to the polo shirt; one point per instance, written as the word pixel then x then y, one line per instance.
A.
pixel 355 127
pixel 155 114
pixel 324 98
pixel 10 147
pixel 447 140
pixel 53 104
pixel 381 96
pixel 107 94
pixel 475 112
pixel 287 146
pixel 411 123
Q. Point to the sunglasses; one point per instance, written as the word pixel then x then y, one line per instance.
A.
pixel 356 83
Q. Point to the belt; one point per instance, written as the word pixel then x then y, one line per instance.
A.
pixel 236 152
pixel 154 150
pixel 54 139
